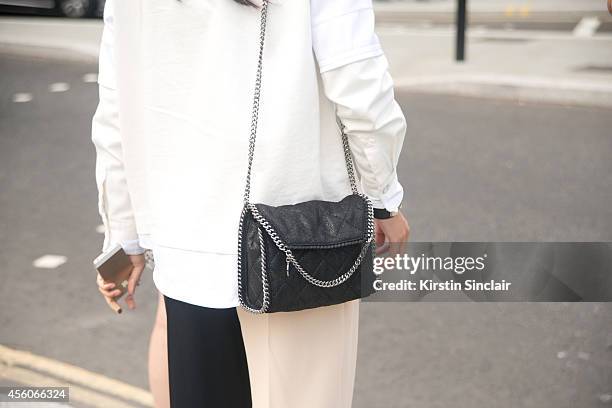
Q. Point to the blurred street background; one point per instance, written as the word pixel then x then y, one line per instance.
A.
pixel 512 144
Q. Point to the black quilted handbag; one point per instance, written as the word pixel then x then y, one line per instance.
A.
pixel 305 255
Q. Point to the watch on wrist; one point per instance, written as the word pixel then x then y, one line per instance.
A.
pixel 383 213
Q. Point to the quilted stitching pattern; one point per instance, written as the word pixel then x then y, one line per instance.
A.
pixel 317 224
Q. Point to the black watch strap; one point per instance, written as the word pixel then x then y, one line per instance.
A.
pixel 382 214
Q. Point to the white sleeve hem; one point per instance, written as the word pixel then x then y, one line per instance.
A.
pixel 343 33
pixel 132 247
pixel 350 57
pixel 392 197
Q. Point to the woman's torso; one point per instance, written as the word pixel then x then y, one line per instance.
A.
pixel 186 79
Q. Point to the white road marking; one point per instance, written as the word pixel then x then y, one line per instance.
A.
pixel 586 27
pixel 22 97
pixel 100 229
pixel 75 393
pixel 90 78
pixel 49 261
pixel 59 87
pixel 584 355
pixel 25 367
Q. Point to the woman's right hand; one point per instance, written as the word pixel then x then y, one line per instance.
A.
pixel 109 292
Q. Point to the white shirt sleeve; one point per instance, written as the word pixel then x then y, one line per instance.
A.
pixel 343 32
pixel 356 79
pixel 114 203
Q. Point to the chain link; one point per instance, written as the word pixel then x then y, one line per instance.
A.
pixel 349 160
pixel 256 95
pixel 265 303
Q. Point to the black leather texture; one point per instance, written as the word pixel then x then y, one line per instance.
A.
pixel 325 238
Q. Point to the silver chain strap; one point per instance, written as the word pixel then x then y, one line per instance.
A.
pixel 256 95
pixel 255 115
pixel 265 224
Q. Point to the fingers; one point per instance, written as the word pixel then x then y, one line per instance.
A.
pixel 403 240
pixel 394 233
pixel 111 293
pixel 129 300
pixel 381 249
pixel 379 234
pixel 107 288
pixel 379 238
pixel 112 303
pixel 139 263
pixel 133 281
pixel 397 229
pixel 395 248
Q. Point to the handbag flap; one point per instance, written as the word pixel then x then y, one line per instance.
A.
pixel 319 224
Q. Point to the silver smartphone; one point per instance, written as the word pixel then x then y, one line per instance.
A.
pixel 114 265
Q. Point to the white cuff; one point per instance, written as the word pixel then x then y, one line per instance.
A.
pixel 132 247
pixel 392 196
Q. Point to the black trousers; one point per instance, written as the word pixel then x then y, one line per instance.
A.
pixel 206 357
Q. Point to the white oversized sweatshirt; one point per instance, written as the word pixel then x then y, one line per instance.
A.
pixel 172 125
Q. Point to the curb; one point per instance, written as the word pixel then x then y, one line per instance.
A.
pixel 446 13
pixel 74 54
pixel 485 85
pixel 515 88
pixel 48 37
pixel 557 10
pixel 506 87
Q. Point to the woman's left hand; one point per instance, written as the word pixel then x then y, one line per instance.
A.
pixel 392 234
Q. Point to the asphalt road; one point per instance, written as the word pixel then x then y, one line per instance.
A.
pixel 472 169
